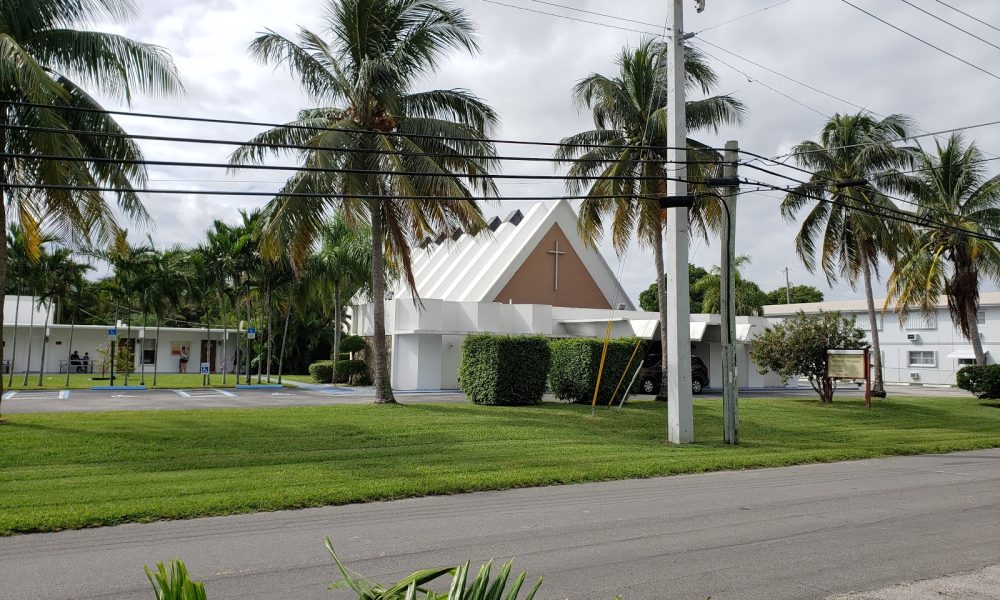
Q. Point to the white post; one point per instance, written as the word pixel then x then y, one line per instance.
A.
pixel 680 421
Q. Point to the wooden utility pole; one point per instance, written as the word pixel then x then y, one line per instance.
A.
pixel 730 391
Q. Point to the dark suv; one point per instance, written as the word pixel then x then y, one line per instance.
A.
pixel 650 383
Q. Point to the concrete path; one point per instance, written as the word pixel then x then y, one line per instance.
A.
pixel 800 532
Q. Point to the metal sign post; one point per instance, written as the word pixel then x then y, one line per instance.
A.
pixel 112 336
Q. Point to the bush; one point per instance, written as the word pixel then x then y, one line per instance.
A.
pixel 322 371
pixel 981 380
pixel 352 343
pixel 351 369
pixel 505 370
pixel 575 363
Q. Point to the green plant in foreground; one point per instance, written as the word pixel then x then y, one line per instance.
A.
pixel 480 588
pixel 174 583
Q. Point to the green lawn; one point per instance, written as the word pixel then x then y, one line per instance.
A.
pixel 75 470
pixel 79 381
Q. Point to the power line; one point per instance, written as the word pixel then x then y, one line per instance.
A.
pixel 542 12
pixel 171 117
pixel 922 41
pixel 974 18
pixel 273 146
pixel 590 12
pixel 949 23
pixel 314 195
pixel 749 14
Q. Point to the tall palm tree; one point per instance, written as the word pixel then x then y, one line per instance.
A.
pixel 851 149
pixel 167 278
pixel 629 142
pixel 360 71
pixel 341 267
pixel 951 188
pixel 45 66
pixel 61 278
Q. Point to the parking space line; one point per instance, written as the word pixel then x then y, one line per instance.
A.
pixel 9 395
pixel 181 393
pixel 205 393
pixel 64 394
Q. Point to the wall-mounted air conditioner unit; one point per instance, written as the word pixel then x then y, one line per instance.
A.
pixel 913 337
pixel 915 376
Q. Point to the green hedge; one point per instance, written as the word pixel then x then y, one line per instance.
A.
pixel 981 380
pixel 353 371
pixel 322 371
pixel 575 363
pixel 503 369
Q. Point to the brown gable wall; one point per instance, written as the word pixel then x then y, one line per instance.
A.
pixel 533 283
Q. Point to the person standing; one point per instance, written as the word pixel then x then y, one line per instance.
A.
pixel 184 358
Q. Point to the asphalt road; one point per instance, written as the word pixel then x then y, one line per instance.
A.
pixel 799 532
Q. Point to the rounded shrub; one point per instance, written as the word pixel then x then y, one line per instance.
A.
pixel 505 370
pixel 322 371
pixel 981 380
pixel 576 362
pixel 352 343
pixel 348 370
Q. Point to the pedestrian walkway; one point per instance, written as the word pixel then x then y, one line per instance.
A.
pixel 37 394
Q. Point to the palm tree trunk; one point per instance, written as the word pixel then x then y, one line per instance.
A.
pixel 156 350
pixel 208 345
pixel 225 338
pixel 31 331
pixel 661 294
pixel 336 332
pixel 270 315
pixel 45 343
pixel 128 336
pixel 878 386
pixel 142 348
pixel 977 343
pixel 3 247
pixel 13 349
pixel 69 349
pixel 248 336
pixel 284 338
pixel 383 385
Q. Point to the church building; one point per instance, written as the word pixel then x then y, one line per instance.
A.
pixel 529 273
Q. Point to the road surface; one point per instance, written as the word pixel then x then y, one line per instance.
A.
pixel 799 532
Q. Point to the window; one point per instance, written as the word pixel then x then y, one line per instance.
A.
pixel 923 358
pixel 981 317
pixel 918 321
pixel 864 324
pixel 966 361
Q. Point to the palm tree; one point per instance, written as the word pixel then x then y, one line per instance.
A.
pixel 950 188
pixel 45 65
pixel 61 278
pixel 851 149
pixel 750 299
pixel 166 278
pixel 340 268
pixel 360 71
pixel 629 143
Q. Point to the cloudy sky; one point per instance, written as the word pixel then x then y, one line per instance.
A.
pixel 530 61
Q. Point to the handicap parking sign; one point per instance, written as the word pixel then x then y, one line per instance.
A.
pixel 204 368
pixel 112 333
pixel 252 333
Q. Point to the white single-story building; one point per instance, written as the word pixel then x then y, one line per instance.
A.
pixel 921 349
pixel 24 351
pixel 529 274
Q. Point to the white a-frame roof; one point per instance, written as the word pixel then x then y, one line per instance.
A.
pixel 517 253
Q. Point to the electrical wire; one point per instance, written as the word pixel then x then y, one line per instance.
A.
pixel 949 23
pixel 542 12
pixel 974 18
pixel 741 17
pixel 922 40
pixel 597 14
pixel 171 117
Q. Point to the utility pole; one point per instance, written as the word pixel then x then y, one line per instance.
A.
pixel 730 391
pixel 788 287
pixel 680 420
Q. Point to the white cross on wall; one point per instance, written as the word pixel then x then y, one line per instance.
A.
pixel 557 254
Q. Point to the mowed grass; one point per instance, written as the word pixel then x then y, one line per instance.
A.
pixel 61 471
pixel 78 381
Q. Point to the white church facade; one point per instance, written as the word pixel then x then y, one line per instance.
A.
pixel 529 274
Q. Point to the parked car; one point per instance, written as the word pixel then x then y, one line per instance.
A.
pixel 650 383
